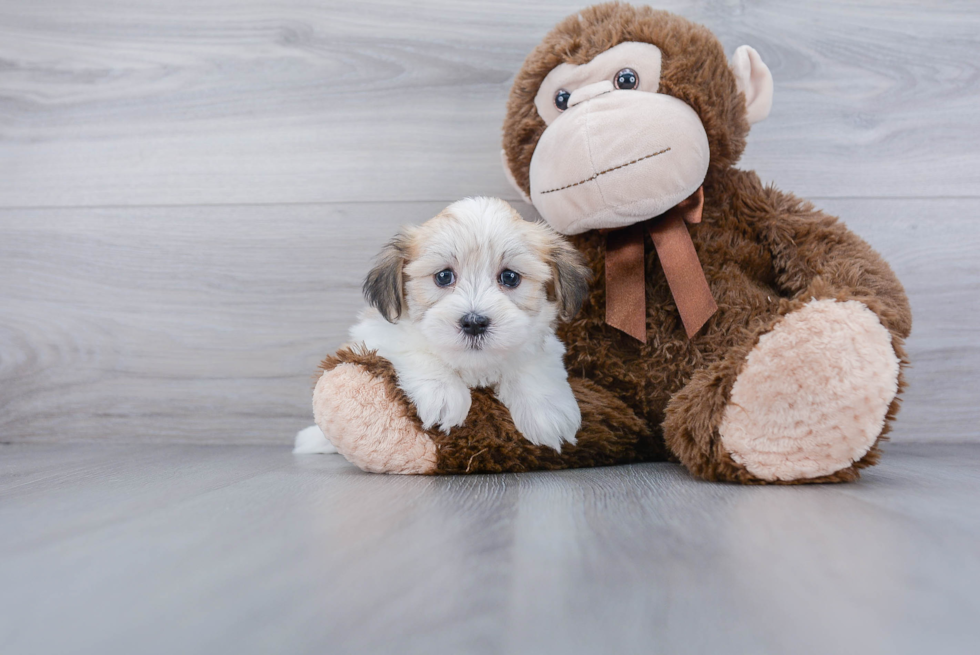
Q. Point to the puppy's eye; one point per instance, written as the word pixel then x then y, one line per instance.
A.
pixel 561 99
pixel 445 277
pixel 627 79
pixel 509 278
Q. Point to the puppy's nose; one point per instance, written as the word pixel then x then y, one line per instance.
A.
pixel 474 324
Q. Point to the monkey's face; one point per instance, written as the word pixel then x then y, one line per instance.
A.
pixel 622 112
pixel 615 151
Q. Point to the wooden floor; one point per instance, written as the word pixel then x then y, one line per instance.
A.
pixel 223 549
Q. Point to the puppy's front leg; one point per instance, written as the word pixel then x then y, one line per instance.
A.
pixel 439 395
pixel 540 399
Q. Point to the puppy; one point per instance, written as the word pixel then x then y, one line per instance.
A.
pixel 470 299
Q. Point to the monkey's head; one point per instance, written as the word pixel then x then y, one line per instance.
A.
pixel 621 112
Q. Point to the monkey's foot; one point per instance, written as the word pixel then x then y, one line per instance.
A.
pixel 813 394
pixel 361 415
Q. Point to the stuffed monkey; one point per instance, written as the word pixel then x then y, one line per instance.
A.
pixel 731 326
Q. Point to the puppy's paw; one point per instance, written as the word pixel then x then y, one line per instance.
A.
pixel 548 421
pixel 445 403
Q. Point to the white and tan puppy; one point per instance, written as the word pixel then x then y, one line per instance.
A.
pixel 470 299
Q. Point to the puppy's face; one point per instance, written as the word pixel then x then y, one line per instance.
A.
pixel 477 279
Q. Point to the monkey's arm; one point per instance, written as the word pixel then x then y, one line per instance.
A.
pixel 815 256
pixel 359 407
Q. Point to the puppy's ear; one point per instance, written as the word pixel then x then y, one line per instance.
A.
pixel 571 278
pixel 384 286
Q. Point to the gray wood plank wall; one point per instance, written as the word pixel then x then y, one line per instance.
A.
pixel 191 191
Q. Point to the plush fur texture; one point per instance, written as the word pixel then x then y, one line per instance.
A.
pixel 369 419
pixel 766 255
pixel 352 401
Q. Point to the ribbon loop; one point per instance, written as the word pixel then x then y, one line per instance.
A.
pixel 626 280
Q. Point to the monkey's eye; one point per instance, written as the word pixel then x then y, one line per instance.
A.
pixel 561 99
pixel 627 79
pixel 509 278
pixel 445 277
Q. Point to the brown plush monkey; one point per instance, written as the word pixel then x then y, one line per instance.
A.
pixel 731 326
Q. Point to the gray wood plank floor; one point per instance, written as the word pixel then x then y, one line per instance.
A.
pixel 191 191
pixel 196 549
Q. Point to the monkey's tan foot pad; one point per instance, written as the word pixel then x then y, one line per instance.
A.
pixel 359 415
pixel 813 394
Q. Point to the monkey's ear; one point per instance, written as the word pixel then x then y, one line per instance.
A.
pixel 384 286
pixel 754 80
pixel 571 278
pixel 510 177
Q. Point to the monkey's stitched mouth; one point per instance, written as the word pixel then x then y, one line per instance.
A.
pixel 608 170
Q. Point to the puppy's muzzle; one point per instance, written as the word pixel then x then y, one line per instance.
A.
pixel 474 324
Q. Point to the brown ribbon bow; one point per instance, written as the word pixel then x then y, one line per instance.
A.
pixel 626 281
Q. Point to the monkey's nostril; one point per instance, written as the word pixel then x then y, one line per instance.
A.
pixel 474 324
